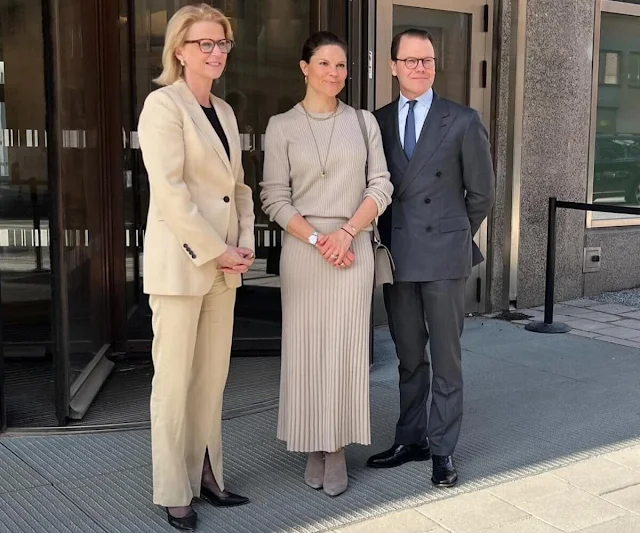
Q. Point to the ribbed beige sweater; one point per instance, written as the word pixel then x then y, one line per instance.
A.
pixel 292 181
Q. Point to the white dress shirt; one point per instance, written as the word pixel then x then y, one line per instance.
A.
pixel 420 111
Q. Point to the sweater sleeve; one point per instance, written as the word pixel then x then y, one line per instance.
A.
pixel 379 186
pixel 276 185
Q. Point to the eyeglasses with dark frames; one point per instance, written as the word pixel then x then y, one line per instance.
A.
pixel 208 45
pixel 412 62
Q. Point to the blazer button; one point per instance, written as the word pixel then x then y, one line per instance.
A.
pixel 226 199
pixel 427 200
pixel 429 228
pixel 438 174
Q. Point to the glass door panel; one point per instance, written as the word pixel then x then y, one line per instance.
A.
pixel 81 189
pixel 26 376
pixel 129 161
pixel 262 78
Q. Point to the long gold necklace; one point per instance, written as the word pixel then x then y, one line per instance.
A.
pixel 323 167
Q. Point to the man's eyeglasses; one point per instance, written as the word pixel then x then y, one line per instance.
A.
pixel 207 45
pixel 412 62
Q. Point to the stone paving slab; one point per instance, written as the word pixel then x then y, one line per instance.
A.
pixel 610 322
pixel 568 499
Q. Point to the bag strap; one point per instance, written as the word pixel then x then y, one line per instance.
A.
pixel 365 137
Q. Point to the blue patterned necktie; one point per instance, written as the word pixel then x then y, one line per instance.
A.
pixel 410 131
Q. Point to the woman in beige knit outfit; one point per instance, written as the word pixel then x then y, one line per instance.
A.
pixel 315 187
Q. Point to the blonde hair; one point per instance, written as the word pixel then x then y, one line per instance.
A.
pixel 177 29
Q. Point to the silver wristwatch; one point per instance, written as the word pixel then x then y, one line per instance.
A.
pixel 313 238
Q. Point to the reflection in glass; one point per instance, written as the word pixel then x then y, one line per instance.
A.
pixel 450 33
pixel 129 162
pixel 79 166
pixel 610 62
pixel 24 227
pixel 617 145
pixel 633 74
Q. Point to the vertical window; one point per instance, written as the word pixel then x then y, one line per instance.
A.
pixel 616 173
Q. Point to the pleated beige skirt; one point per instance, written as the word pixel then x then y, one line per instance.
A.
pixel 324 387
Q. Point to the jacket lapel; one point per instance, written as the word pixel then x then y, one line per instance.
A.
pixel 203 124
pixel 434 130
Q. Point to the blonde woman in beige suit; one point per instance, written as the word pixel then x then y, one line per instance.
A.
pixel 315 186
pixel 199 240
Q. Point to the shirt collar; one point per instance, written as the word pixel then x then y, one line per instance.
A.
pixel 426 99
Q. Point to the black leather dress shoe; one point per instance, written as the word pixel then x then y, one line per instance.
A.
pixel 444 472
pixel 186 523
pixel 399 454
pixel 228 499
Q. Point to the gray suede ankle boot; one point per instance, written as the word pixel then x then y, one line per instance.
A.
pixel 314 473
pixel 335 473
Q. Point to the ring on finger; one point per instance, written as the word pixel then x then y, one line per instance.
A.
pixel 334 256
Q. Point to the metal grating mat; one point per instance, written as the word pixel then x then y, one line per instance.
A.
pixel 565 400
pixel 15 474
pixel 253 386
pixel 43 509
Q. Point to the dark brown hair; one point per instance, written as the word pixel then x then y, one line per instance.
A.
pixel 318 40
pixel 412 32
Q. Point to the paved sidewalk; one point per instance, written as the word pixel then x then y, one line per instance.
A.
pixel 598 495
pixel 609 322
pixel 533 403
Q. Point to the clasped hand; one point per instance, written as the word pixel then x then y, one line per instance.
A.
pixel 235 260
pixel 336 248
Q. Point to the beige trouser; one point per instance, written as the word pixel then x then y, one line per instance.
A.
pixel 191 350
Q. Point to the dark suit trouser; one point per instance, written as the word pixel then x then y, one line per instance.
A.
pixel 441 305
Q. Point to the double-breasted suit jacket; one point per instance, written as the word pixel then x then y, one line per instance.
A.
pixel 441 196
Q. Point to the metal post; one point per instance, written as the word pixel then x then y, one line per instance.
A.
pixel 549 326
pixel 549 285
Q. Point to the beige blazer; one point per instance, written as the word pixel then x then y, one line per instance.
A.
pixel 199 201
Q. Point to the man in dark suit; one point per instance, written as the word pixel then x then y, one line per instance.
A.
pixel 439 157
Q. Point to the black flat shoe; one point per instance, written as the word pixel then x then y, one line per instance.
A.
pixel 186 523
pixel 228 499
pixel 444 472
pixel 400 454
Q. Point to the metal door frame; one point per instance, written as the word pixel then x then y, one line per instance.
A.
pixel 480 85
pixel 3 404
